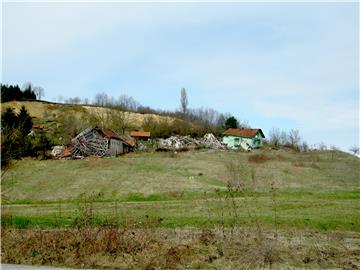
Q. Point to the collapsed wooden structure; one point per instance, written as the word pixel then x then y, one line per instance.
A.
pixel 99 142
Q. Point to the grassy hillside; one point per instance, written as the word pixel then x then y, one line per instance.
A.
pixel 63 121
pixel 318 189
pixel 43 111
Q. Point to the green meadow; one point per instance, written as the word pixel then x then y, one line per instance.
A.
pixel 317 190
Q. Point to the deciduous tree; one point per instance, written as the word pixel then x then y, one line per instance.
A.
pixel 184 101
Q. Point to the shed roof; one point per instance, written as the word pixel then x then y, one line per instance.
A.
pixel 140 134
pixel 244 132
pixel 109 133
pixel 128 140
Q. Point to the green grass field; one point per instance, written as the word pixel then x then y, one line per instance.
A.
pixel 191 210
pixel 318 190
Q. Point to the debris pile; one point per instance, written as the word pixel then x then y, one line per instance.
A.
pixel 89 143
pixel 178 143
pixel 61 152
pixel 56 152
pixel 186 142
pixel 210 141
pixel 141 147
pixel 245 146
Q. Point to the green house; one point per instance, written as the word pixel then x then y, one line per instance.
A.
pixel 246 138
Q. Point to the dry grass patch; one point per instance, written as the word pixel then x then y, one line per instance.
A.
pixel 150 248
pixel 259 158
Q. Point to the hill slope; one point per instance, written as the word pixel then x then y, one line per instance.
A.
pixel 62 122
pixel 44 112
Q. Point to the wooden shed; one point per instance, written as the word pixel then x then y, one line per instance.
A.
pixel 116 144
pixel 100 142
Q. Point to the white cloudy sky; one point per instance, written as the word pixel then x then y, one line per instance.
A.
pixel 286 65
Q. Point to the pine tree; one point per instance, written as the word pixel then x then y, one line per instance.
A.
pixel 231 122
pixel 24 121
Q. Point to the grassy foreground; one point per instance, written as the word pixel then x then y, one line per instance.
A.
pixel 317 190
pixel 201 209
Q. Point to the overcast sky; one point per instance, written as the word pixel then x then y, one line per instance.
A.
pixel 286 65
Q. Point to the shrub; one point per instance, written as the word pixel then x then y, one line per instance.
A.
pixel 259 158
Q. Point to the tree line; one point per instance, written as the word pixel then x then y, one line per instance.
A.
pixel 15 93
pixel 193 121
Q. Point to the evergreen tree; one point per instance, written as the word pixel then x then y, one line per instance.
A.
pixel 14 130
pixel 24 121
pixel 231 122
pixel 10 93
pixel 9 119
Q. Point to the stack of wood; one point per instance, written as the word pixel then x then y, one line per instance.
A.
pixel 89 143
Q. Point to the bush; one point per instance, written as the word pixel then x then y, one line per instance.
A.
pixel 39 145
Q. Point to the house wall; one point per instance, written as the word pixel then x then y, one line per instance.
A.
pixel 233 142
pixel 116 147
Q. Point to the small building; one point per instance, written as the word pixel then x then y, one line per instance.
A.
pixel 140 135
pixel 116 144
pixel 246 138
pixel 100 142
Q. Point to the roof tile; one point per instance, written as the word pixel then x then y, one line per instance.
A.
pixel 243 132
pixel 140 134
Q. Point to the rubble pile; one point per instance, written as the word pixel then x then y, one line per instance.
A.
pixel 178 143
pixel 245 146
pixel 186 142
pixel 142 147
pixel 57 151
pixel 210 141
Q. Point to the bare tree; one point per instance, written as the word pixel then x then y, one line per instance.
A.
pixel 304 147
pixel 39 92
pixel 119 120
pixel 354 149
pixel 74 100
pixel 184 101
pixel 284 138
pixel 101 99
pixel 294 137
pixel 322 146
pixel 126 102
pixel 243 124
pixel 275 137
